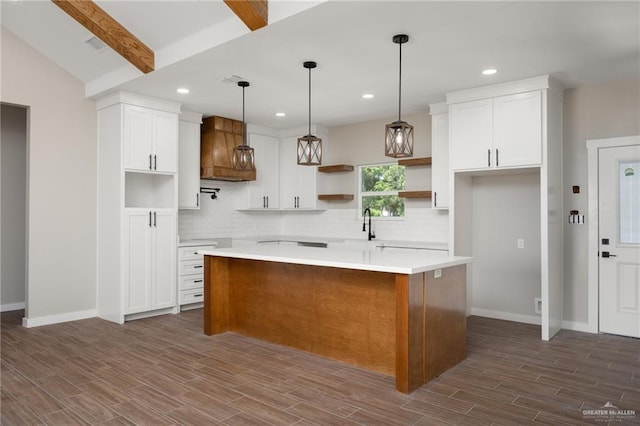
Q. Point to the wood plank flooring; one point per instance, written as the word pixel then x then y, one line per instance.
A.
pixel 164 371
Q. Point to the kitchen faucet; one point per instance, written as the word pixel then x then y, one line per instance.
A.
pixel 370 235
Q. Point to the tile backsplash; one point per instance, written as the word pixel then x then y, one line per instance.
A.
pixel 218 218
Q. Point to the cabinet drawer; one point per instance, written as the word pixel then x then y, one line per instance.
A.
pixel 191 282
pixel 191 253
pixel 191 296
pixel 190 267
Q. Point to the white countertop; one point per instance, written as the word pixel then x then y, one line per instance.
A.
pixel 360 243
pixel 348 258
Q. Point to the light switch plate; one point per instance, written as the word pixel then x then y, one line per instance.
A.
pixel 437 273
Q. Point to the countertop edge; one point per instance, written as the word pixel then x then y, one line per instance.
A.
pixel 429 265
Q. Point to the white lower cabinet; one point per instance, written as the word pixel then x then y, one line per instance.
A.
pixel 191 274
pixel 149 253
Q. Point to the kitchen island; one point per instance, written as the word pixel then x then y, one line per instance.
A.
pixel 400 314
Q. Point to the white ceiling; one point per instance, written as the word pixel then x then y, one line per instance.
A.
pixel 197 43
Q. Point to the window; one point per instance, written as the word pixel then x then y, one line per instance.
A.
pixel 378 189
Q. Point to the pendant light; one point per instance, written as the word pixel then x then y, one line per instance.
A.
pixel 309 146
pixel 399 134
pixel 243 155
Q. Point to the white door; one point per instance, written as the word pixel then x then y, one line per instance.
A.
pixel 619 240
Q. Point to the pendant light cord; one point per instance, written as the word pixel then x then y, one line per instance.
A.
pixel 244 130
pixel 400 85
pixel 309 101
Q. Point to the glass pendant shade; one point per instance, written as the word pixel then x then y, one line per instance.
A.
pixel 309 150
pixel 309 146
pixel 399 134
pixel 399 140
pixel 243 155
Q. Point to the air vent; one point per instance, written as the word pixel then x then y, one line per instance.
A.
pixel 232 79
pixel 97 44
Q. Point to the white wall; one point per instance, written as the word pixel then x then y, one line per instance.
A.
pixel 61 199
pixel 13 148
pixel 506 279
pixel 592 112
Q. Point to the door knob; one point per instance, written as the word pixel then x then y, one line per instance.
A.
pixel 607 254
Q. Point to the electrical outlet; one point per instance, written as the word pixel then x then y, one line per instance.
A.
pixel 437 273
pixel 537 305
pixel 520 243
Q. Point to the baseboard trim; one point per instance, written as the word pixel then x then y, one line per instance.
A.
pixel 578 326
pixel 12 307
pixel 55 319
pixel 507 316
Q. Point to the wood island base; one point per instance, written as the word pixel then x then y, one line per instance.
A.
pixel 412 327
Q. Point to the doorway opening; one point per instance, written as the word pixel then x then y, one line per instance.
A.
pixel 13 207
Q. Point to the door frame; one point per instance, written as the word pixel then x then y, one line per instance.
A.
pixel 593 153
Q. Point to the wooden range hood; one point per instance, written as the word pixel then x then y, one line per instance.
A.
pixel 219 136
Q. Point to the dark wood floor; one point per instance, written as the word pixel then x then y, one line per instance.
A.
pixel 163 370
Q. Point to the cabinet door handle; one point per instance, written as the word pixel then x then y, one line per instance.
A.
pixel 264 202
pixel 197 266
pixel 197 281
pixel 155 162
pixel 435 199
pixel 488 158
pixel 497 158
pixel 150 168
pixel 197 295
pixel 197 200
pixel 267 197
pixel 154 219
pixel 149 218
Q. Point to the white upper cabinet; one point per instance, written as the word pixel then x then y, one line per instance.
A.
pixel 440 156
pixel 517 129
pixel 471 138
pixel 150 139
pixel 189 160
pixel 497 132
pixel 298 184
pixel 264 192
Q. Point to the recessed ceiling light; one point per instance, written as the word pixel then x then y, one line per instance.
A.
pixel 489 71
pixel 280 114
pixel 367 96
pixel 182 90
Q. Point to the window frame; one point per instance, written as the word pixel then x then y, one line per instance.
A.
pixel 361 194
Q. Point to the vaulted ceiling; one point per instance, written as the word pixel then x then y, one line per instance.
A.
pixel 200 44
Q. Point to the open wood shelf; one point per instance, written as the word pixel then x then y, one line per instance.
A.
pixel 409 162
pixel 336 168
pixel 335 197
pixel 414 194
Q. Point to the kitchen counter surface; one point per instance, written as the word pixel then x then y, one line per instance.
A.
pixel 262 239
pixel 347 258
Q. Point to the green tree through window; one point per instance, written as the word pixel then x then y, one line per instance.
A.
pixel 379 186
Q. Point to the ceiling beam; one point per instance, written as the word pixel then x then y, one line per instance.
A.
pixel 107 29
pixel 254 13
